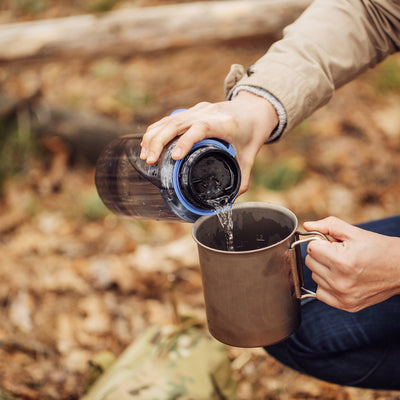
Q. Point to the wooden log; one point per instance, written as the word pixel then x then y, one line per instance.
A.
pixel 127 32
pixel 85 133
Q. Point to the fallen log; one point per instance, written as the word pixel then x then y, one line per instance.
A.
pixel 85 133
pixel 128 32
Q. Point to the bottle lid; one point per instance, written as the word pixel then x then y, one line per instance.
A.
pixel 209 177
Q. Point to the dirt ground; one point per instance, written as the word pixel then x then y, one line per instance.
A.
pixel 76 280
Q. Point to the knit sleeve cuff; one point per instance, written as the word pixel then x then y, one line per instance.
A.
pixel 280 110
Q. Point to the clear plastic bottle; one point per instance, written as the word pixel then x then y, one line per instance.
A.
pixel 209 176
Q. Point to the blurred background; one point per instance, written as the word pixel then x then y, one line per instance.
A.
pixel 75 280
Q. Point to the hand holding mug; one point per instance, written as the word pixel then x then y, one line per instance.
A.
pixel 356 270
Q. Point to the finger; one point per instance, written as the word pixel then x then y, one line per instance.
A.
pixel 329 254
pixel 244 183
pixel 321 281
pixel 315 265
pixel 157 137
pixel 332 226
pixel 151 131
pixel 245 171
pixel 159 123
pixel 163 131
pixel 328 297
pixel 197 132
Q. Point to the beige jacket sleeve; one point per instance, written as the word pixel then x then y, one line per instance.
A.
pixel 331 43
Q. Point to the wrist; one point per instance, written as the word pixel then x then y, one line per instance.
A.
pixel 265 116
pixel 396 261
pixel 388 259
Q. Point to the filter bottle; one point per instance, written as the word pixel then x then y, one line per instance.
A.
pixel 207 177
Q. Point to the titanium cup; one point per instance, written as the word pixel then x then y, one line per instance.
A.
pixel 252 294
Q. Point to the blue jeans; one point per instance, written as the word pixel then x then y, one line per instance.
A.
pixel 353 349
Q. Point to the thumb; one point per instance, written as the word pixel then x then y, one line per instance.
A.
pixel 244 183
pixel 332 226
pixel 246 165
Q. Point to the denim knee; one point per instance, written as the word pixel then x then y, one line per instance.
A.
pixel 340 347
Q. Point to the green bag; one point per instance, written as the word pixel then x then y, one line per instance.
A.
pixel 169 363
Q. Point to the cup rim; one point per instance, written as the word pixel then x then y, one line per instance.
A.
pixel 247 204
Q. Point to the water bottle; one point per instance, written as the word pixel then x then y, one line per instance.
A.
pixel 206 178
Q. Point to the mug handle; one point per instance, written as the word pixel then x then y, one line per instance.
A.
pixel 313 235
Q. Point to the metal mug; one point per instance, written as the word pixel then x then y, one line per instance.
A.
pixel 252 294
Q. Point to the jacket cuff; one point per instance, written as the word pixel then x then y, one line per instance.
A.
pixel 280 110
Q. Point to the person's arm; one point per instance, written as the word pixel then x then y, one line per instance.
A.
pixel 331 43
pixel 358 270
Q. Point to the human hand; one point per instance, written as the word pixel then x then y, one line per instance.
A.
pixel 359 269
pixel 245 122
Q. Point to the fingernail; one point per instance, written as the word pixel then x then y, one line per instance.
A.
pixel 143 154
pixel 176 154
pixel 151 157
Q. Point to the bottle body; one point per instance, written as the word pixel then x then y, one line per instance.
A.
pixel 167 190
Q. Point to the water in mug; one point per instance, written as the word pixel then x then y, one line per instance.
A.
pixel 225 218
pixel 223 210
pixel 244 233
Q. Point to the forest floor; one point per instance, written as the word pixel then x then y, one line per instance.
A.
pixel 76 280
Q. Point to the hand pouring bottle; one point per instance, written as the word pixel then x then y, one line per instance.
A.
pixel 209 176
